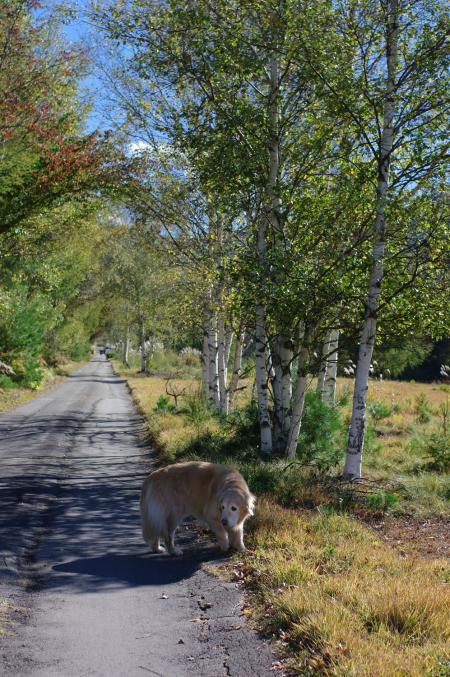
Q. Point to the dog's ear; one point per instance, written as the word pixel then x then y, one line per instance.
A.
pixel 251 504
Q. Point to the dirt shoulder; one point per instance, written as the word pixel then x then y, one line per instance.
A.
pixel 411 536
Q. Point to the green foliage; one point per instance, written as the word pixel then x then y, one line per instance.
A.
pixel 321 437
pixel 263 478
pixel 372 445
pixel 382 501
pixel 196 409
pixel 163 405
pixel 434 447
pixel 397 357
pixel 379 410
pixel 423 409
pixel 6 382
pixel 22 327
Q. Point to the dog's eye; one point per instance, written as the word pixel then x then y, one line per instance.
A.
pixel 222 507
pixel 233 507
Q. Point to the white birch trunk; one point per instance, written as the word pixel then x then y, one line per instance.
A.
pixel 237 366
pixel 213 370
pixel 276 378
pixel 286 356
pixel 126 347
pixel 228 346
pixel 221 357
pixel 282 387
pixel 299 403
pixel 262 379
pixel 323 367
pixel 353 461
pixel 329 389
pixel 143 350
pixel 270 218
pixel 205 355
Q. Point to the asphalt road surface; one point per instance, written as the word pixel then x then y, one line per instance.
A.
pixel 84 596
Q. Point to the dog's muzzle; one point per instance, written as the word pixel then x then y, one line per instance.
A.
pixel 225 522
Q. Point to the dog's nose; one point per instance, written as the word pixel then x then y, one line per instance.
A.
pixel 225 522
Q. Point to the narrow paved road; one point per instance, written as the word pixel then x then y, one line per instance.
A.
pixel 90 599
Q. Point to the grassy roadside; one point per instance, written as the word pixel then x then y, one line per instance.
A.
pixel 13 397
pixel 337 598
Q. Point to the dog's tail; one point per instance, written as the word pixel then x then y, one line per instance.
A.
pixel 152 514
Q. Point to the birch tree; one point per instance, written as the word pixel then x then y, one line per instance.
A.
pixel 393 97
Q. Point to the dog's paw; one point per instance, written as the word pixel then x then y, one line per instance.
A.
pixel 224 546
pixel 176 552
pixel 240 547
pixel 160 548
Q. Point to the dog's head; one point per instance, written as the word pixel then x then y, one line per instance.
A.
pixel 235 506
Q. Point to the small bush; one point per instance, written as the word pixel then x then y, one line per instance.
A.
pixel 372 446
pixel 438 449
pixel 320 441
pixel 262 478
pixel 196 409
pixel 6 382
pixel 379 410
pixel 80 351
pixel 382 501
pixel 242 426
pixel 163 405
pixel 435 448
pixel 422 409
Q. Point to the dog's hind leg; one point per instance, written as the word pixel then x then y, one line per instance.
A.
pixel 169 537
pixel 151 537
pixel 156 546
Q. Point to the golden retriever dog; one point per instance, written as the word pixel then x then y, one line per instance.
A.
pixel 212 493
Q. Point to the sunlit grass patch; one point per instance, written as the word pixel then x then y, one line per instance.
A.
pixel 337 598
pixel 343 601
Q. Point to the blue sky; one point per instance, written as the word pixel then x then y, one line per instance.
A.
pixel 79 31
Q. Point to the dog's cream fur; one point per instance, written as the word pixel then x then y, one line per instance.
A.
pixel 212 493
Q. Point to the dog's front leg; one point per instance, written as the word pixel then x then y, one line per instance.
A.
pixel 221 535
pixel 236 536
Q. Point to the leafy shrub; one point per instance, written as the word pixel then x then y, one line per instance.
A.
pixel 379 410
pixel 435 448
pixel 6 382
pixel 438 449
pixel 238 439
pixel 372 447
pixel 163 405
pixel 261 477
pixel 243 427
pixel 196 409
pixel 422 408
pixel 208 446
pixel 80 351
pixel 382 501
pixel 321 437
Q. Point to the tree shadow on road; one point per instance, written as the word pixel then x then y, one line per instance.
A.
pixel 117 570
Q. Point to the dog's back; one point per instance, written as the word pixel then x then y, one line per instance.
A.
pixel 186 488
